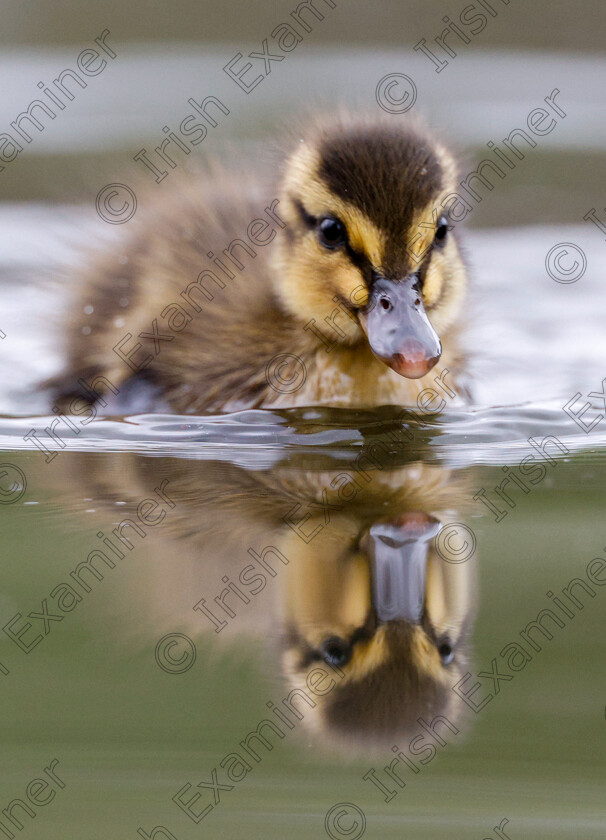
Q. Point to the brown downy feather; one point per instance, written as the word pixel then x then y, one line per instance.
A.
pixel 271 333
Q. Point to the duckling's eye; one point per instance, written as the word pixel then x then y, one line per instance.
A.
pixel 446 651
pixel 441 231
pixel 336 651
pixel 331 232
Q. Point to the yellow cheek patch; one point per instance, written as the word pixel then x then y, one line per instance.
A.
pixel 359 295
pixel 350 285
pixel 368 656
pixel 419 240
pixel 420 236
pixel 424 657
pixel 432 286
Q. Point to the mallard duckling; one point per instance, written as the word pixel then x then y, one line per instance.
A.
pixel 375 601
pixel 339 286
pixel 300 564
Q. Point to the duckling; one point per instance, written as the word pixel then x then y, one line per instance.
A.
pixel 314 575
pixel 375 601
pixel 340 285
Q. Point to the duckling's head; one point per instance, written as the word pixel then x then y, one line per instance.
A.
pixel 387 615
pixel 368 251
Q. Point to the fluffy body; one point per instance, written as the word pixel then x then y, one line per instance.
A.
pixel 283 329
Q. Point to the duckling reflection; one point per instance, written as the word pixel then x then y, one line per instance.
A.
pixel 360 587
pixel 383 607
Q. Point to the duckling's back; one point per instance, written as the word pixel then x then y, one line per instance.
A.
pixel 183 300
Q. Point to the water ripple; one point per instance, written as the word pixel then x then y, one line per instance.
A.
pixel 457 437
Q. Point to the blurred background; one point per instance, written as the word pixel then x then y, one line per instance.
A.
pixel 167 53
pixel 127 733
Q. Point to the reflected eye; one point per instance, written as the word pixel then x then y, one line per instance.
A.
pixel 441 231
pixel 336 651
pixel 331 232
pixel 446 651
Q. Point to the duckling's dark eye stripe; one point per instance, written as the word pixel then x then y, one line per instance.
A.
pixel 358 259
pixel 309 220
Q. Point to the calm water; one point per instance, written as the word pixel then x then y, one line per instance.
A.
pixel 142 683
pixel 228 555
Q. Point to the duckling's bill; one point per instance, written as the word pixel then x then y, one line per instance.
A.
pixel 398 551
pixel 398 329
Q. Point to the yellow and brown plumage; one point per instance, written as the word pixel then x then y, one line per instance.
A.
pixel 341 274
pixel 398 649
